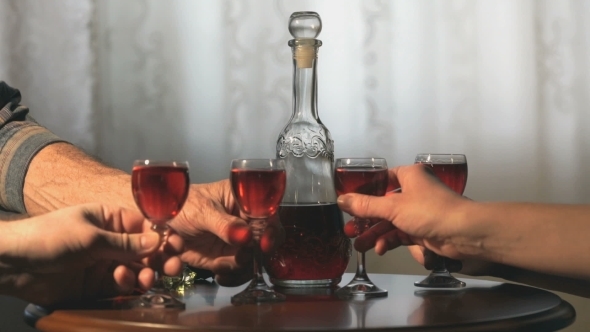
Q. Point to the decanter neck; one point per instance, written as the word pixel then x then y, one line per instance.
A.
pixel 305 79
pixel 305 90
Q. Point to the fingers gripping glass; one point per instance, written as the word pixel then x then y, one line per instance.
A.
pixel 451 169
pixel 160 189
pixel 366 176
pixel 258 186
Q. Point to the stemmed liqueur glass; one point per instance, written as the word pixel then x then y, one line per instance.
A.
pixel 258 186
pixel 451 169
pixel 366 176
pixel 160 189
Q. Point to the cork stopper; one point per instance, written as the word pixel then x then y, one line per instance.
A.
pixel 305 27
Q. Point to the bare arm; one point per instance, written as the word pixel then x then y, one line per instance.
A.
pixel 545 238
pixel 61 175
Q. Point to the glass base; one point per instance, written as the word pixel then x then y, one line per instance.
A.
pixel 360 289
pixel 157 301
pixel 257 295
pixel 288 283
pixel 440 280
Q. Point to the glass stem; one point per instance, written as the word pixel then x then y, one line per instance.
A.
pixel 361 273
pixel 258 278
pixel 163 231
pixel 257 226
pixel 440 265
pixel 361 225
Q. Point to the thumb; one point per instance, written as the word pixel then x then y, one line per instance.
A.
pixel 365 206
pixel 124 246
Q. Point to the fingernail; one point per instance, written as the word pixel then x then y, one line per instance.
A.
pixel 343 201
pixel 149 240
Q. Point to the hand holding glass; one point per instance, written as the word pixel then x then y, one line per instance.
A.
pixel 258 186
pixel 160 189
pixel 366 176
pixel 451 169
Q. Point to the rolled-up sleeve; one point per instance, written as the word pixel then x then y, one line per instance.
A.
pixel 21 137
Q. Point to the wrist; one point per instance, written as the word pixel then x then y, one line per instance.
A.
pixel 469 231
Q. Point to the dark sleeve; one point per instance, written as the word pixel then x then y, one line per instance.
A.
pixel 21 137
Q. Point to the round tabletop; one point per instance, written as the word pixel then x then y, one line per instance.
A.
pixel 481 306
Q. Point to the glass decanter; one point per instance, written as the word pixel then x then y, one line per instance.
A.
pixel 316 251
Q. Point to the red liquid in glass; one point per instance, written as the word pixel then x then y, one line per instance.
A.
pixel 361 180
pixel 453 175
pixel 315 246
pixel 258 192
pixel 160 191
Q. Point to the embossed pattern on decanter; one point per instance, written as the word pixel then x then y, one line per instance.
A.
pixel 306 141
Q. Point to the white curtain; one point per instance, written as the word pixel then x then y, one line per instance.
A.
pixel 505 82
pixel 46 52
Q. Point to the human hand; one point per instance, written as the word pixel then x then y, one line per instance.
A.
pixel 423 214
pixel 82 252
pixel 469 266
pixel 216 236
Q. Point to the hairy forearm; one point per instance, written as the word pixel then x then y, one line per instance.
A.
pixel 543 238
pixel 61 175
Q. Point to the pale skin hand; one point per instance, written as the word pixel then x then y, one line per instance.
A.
pixel 547 239
pixel 61 175
pixel 81 252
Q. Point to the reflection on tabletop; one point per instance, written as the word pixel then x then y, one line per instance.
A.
pixel 445 306
pixel 208 305
pixel 360 307
pixel 272 316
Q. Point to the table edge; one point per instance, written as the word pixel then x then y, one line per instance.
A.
pixel 552 319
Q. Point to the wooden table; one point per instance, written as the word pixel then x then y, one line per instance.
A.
pixel 481 306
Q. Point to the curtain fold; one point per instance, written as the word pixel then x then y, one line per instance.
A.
pixel 46 51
